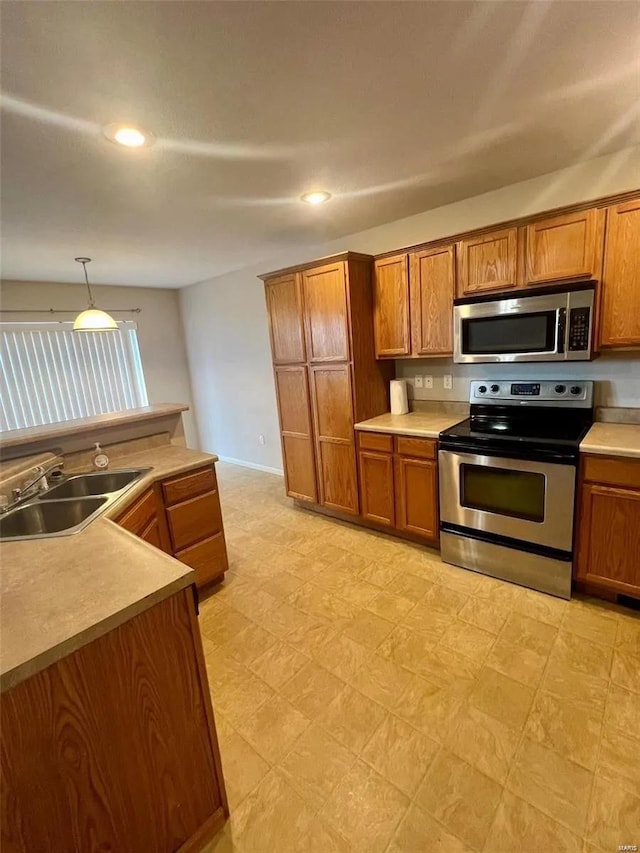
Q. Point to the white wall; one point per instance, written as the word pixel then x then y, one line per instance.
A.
pixel 226 322
pixel 160 331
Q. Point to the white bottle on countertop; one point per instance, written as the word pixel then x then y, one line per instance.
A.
pixel 100 459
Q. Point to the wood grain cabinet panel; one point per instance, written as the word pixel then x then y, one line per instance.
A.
pixel 609 538
pixel 286 327
pixel 620 305
pixel 207 558
pixel 194 519
pixel 562 247
pixel 325 312
pixel 189 485
pixel 380 441
pixel 376 487
pixel 151 534
pixel 296 432
pixel 488 262
pixel 432 285
pixel 114 747
pixel 138 517
pixel 391 321
pixel 416 491
pixel 335 440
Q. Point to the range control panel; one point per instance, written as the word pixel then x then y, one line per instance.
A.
pixel 550 392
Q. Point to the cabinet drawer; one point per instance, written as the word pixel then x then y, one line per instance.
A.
pixel 189 485
pixel 194 520
pixel 612 470
pixel 375 441
pixel 139 516
pixel 207 558
pixel 425 448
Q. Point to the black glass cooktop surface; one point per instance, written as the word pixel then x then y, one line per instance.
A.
pixel 546 430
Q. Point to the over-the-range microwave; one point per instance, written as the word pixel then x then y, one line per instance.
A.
pixel 548 325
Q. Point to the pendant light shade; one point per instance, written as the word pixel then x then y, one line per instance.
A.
pixel 93 319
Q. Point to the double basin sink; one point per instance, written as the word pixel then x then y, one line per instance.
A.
pixel 69 506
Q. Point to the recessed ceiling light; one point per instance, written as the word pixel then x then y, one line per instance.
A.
pixel 129 135
pixel 316 197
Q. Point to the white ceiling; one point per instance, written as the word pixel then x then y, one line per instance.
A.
pixel 393 107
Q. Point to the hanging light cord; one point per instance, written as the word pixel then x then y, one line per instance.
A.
pixel 84 262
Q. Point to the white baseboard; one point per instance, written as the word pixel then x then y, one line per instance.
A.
pixel 254 465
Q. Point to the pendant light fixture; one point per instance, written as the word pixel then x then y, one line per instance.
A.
pixel 93 319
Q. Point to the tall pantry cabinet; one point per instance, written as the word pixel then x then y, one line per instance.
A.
pixel 326 374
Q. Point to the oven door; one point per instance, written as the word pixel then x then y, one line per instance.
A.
pixel 514 498
pixel 528 328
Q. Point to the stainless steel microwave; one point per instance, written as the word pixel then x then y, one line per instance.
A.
pixel 549 325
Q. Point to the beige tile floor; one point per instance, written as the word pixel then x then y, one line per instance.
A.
pixel 369 697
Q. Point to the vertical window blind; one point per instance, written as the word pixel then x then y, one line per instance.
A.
pixel 50 373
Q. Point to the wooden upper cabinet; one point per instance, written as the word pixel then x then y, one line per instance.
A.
pixel 292 389
pixel 391 307
pixel 325 311
pixel 335 442
pixel 488 262
pixel 284 306
pixel 431 287
pixel 620 306
pixel 562 247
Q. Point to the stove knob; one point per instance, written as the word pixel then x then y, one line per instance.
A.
pixel 482 389
pixel 575 390
pixel 495 389
pixel 560 389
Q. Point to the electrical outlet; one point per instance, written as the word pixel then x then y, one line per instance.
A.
pixel 261 439
pixel 428 381
pixel 447 381
pixel 418 382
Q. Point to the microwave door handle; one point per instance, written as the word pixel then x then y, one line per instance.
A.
pixel 561 331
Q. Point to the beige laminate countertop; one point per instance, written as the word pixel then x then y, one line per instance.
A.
pixel 60 593
pixel 422 424
pixel 612 440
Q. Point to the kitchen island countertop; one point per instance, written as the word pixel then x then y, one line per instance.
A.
pixel 60 593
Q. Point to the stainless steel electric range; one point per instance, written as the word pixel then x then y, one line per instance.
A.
pixel 508 481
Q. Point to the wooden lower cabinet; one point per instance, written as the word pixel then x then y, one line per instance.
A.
pixel 417 496
pixel 399 483
pixel 296 432
pixel 114 747
pixel 609 525
pixel 376 487
pixel 182 516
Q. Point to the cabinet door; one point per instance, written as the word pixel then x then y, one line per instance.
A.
pixel 325 311
pixel 562 247
pixel 151 533
pixel 335 447
pixel 609 538
pixel 416 485
pixel 391 307
pixel 292 390
pixel 376 487
pixel 207 558
pixel 488 262
pixel 620 310
pixel 284 306
pixel 432 285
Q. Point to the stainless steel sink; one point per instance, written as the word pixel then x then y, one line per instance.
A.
pixel 69 506
pixel 87 485
pixel 49 517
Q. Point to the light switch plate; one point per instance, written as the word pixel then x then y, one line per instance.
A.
pixel 418 382
pixel 428 381
pixel 447 381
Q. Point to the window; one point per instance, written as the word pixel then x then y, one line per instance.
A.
pixel 50 373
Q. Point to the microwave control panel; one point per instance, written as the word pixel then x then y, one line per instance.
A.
pixel 579 323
